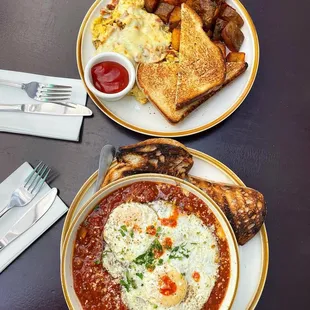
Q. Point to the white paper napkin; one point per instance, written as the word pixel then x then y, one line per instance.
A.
pixel 57 127
pixel 56 211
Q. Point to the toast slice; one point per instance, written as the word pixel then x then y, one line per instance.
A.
pixel 159 155
pixel 202 65
pixel 244 207
pixel 158 82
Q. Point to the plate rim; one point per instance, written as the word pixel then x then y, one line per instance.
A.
pixel 204 157
pixel 181 133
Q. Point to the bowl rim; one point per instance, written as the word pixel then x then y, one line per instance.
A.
pixel 100 57
pixel 139 178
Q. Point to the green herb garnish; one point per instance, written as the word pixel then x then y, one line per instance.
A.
pixel 126 285
pixel 179 252
pixel 122 233
pixel 97 261
pixel 158 230
pixel 160 261
pixel 131 233
pixel 140 275
pixel 148 258
pixel 124 228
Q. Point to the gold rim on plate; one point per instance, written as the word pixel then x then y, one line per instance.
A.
pixel 177 133
pixel 204 157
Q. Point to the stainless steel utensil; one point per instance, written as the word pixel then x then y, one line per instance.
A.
pixel 106 157
pixel 48 109
pixel 42 92
pixel 29 218
pixel 32 185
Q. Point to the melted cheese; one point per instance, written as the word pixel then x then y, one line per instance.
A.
pixel 133 32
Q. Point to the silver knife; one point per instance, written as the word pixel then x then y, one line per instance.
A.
pixel 106 157
pixel 47 109
pixel 29 218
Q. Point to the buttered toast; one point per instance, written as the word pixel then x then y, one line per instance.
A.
pixel 202 65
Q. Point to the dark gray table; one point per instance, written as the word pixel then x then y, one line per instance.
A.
pixel 266 142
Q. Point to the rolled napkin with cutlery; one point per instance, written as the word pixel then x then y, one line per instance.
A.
pixel 20 227
pixel 39 118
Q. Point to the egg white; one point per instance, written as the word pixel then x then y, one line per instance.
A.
pixel 125 230
pixel 197 252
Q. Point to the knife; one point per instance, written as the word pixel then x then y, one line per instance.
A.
pixel 47 109
pixel 29 218
pixel 106 157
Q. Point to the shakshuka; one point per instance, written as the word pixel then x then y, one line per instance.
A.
pixel 151 246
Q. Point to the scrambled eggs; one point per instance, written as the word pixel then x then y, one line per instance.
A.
pixel 131 31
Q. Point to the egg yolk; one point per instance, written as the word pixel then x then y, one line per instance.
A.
pixel 167 286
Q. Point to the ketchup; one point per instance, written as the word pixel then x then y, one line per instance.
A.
pixel 109 77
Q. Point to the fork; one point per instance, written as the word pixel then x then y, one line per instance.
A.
pixel 42 92
pixel 32 185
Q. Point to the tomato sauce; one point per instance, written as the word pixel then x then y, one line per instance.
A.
pixel 109 77
pixel 94 286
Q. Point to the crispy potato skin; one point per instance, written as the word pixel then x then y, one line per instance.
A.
pixel 230 14
pixel 175 41
pixel 232 36
pixel 163 11
pixel 220 24
pixel 173 2
pixel 175 18
pixel 235 57
pixel 151 5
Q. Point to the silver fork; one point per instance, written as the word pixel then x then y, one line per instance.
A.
pixel 42 92
pixel 32 185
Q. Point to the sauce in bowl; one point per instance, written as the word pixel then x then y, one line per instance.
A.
pixel 109 77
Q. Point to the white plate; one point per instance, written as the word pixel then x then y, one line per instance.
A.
pixel 254 255
pixel 146 118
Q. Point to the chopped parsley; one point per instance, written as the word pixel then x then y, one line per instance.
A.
pixel 158 230
pixel 131 233
pixel 97 261
pixel 96 208
pixel 105 253
pixel 128 282
pixel 179 252
pixel 140 275
pixel 160 261
pixel 123 230
pixel 148 258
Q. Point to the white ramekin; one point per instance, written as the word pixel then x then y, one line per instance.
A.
pixel 110 56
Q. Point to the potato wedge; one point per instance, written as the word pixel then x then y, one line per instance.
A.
pixel 151 5
pixel 230 14
pixel 163 11
pixel 175 40
pixel 221 46
pixel 173 2
pixel 235 57
pixel 233 37
pixel 175 18
pixel 220 24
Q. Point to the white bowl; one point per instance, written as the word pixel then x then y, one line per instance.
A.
pixel 67 250
pixel 110 56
